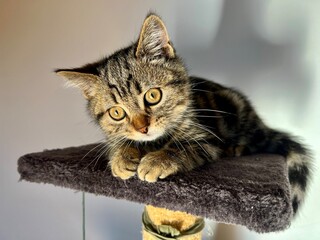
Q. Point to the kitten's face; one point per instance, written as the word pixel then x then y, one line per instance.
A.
pixel 140 101
pixel 140 93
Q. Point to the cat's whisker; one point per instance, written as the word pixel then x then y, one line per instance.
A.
pixel 182 136
pixel 177 141
pixel 127 146
pixel 178 159
pixel 104 151
pixel 193 139
pixel 171 136
pixel 102 145
pixel 118 143
pixel 199 82
pixel 200 90
pixel 99 145
pixel 101 150
pixel 207 116
pixel 211 110
pixel 205 129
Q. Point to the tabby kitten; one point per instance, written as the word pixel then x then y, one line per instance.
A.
pixel 159 121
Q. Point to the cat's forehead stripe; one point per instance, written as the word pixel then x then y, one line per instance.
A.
pixel 137 86
pixel 119 66
pixel 114 87
pixel 114 98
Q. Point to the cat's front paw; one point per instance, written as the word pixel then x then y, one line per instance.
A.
pixel 124 164
pixel 156 165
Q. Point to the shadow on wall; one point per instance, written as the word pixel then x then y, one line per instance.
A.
pixel 245 51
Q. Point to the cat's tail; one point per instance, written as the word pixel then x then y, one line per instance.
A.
pixel 299 162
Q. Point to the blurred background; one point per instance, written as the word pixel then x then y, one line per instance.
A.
pixel 267 49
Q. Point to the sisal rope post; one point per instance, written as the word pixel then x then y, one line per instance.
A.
pixel 164 224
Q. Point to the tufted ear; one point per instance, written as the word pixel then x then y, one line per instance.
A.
pixel 85 81
pixel 154 42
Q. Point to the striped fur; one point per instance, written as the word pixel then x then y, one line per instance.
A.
pixel 196 120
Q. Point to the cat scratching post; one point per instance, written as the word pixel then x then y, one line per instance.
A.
pixel 161 222
pixel 252 191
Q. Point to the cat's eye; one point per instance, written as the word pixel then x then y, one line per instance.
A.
pixel 153 96
pixel 117 113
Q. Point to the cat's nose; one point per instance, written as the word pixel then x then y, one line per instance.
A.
pixel 141 123
pixel 143 130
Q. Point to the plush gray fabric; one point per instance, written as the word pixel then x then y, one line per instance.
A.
pixel 252 191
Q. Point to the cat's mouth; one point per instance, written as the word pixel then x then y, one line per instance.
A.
pixel 151 135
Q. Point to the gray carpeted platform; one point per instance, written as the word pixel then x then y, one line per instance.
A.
pixel 252 191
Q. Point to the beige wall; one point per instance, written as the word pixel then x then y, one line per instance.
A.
pixel 270 50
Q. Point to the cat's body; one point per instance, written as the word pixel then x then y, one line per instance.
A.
pixel 159 121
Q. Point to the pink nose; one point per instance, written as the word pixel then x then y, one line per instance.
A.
pixel 143 130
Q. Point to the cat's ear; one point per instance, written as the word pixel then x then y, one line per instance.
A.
pixel 154 42
pixel 85 81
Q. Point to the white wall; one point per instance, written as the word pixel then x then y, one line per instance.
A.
pixel 268 49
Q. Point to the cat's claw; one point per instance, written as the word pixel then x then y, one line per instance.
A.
pixel 156 165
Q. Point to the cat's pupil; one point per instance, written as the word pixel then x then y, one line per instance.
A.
pixel 152 96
